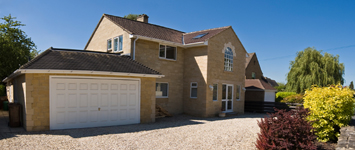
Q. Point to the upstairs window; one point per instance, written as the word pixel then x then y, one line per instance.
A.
pixel 193 90
pixel 117 44
pixel 253 75
pixel 167 52
pixel 109 44
pixel 228 59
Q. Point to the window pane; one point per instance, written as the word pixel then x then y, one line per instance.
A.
pixel 161 90
pixel 238 92
pixel 229 92
pixel 223 105
pixel 164 89
pixel 121 40
pixel 170 52
pixel 115 44
pixel 229 106
pixel 224 91
pixel 162 51
pixel 193 92
pixel 193 84
pixel 215 91
pixel 109 44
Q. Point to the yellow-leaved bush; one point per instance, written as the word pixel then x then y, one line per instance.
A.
pixel 330 108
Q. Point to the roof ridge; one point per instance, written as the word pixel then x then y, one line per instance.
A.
pixel 207 30
pixel 145 23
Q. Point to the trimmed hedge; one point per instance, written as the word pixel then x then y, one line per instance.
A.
pixel 281 95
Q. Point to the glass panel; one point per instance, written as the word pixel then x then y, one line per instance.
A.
pixel 193 84
pixel 109 42
pixel 164 89
pixel 224 91
pixel 162 51
pixel 121 40
pixel 230 92
pixel 158 92
pixel 115 44
pixel 238 92
pixel 161 90
pixel 214 92
pixel 223 106
pixel 193 92
pixel 229 106
pixel 170 52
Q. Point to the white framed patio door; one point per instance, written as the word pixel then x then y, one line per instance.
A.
pixel 227 97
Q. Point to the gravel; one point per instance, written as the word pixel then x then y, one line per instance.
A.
pixel 178 132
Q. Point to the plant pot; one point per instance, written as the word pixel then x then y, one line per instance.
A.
pixel 222 114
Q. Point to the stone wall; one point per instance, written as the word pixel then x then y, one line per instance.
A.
pixel 346 141
pixel 37 100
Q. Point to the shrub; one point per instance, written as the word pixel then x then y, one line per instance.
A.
pixel 298 98
pixel 281 95
pixel 331 108
pixel 2 90
pixel 286 130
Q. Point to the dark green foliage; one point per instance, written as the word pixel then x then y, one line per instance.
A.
pixel 351 86
pixel 2 90
pixel 131 16
pixel 298 98
pixel 281 87
pixel 15 46
pixel 281 95
pixel 286 130
pixel 311 67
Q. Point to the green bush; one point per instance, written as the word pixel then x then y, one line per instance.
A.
pixel 281 95
pixel 2 90
pixel 331 108
pixel 298 98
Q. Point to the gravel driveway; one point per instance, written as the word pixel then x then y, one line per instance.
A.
pixel 179 132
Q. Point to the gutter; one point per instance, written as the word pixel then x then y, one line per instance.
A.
pixel 24 71
pixel 167 42
pixel 134 48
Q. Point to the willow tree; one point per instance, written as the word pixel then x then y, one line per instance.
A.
pixel 311 67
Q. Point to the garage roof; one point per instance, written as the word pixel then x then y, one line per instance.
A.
pixel 257 84
pixel 68 59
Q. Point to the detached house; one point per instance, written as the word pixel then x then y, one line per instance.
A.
pixel 126 68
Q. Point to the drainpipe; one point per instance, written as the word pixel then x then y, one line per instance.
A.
pixel 134 48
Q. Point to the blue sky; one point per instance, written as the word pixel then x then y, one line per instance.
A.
pixel 275 30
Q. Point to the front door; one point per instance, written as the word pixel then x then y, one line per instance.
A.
pixel 227 98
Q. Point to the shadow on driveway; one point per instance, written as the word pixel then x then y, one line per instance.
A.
pixel 160 123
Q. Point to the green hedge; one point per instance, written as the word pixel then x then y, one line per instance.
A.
pixel 281 95
pixel 2 90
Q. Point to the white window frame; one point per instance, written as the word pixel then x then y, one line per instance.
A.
pixel 167 91
pixel 240 91
pixel 118 44
pixel 107 44
pixel 193 87
pixel 229 66
pixel 217 92
pixel 165 52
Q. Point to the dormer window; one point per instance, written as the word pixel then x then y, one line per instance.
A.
pixel 200 35
pixel 109 44
pixel 167 52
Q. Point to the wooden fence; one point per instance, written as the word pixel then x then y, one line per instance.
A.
pixel 267 107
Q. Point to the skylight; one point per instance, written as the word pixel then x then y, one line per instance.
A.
pixel 200 35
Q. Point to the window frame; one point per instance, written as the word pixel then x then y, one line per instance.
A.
pixel 193 87
pixel 167 91
pixel 216 92
pixel 118 44
pixel 165 52
pixel 110 39
pixel 229 67
pixel 240 91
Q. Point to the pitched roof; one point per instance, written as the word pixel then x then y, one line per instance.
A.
pixel 159 32
pixel 248 59
pixel 257 84
pixel 189 37
pixel 272 82
pixel 65 59
pixel 147 29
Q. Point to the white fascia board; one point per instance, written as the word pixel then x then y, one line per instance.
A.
pixel 169 42
pixel 23 71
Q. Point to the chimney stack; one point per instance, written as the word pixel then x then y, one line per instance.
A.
pixel 143 18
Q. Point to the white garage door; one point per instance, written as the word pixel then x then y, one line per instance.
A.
pixel 78 102
pixel 269 96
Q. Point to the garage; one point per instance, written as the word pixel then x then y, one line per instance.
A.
pixel 77 102
pixel 270 95
pixel 65 89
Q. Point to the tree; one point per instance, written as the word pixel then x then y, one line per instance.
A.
pixel 351 86
pixel 311 67
pixel 15 47
pixel 281 87
pixel 131 16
